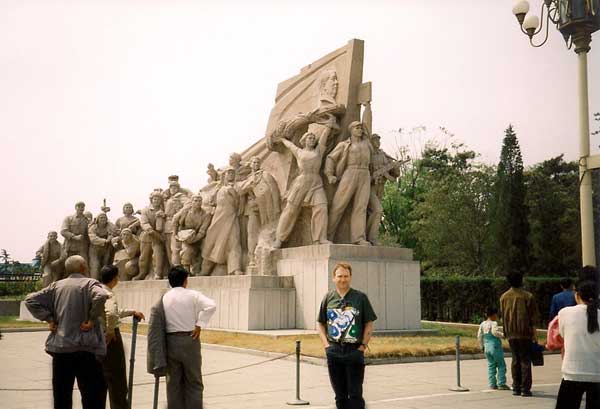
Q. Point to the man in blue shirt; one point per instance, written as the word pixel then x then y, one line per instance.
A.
pixel 566 298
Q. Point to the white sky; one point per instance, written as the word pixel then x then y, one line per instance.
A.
pixel 105 99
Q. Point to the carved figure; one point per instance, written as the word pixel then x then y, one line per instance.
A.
pixel 174 204
pixel 383 168
pixel 306 189
pixel 127 259
pixel 75 231
pixel 213 175
pixel 128 220
pixel 190 225
pixel 349 164
pixel 262 204
pixel 50 255
pixel 222 244
pixel 151 239
pixel 241 171
pixel 101 232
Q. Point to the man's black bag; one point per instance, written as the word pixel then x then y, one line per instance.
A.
pixel 537 356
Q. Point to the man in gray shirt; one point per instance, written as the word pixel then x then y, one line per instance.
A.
pixel 71 307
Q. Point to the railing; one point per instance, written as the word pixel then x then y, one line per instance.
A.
pixel 20 277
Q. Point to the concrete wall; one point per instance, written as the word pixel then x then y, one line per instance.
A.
pixel 243 302
pixel 389 276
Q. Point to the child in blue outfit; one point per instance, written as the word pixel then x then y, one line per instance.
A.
pixel 489 336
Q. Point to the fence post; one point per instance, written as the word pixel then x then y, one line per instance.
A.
pixel 298 401
pixel 458 387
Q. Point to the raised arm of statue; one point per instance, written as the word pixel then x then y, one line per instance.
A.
pixel 293 148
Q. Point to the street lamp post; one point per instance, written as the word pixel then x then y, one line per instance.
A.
pixel 576 20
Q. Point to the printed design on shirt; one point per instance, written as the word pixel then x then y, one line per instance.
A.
pixel 341 324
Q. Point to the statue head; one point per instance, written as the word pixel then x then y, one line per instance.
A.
pixel 255 163
pixel 127 209
pixel 102 219
pixel 309 140
pixel 126 235
pixel 197 202
pixel 173 179
pixel 76 264
pixel 356 129
pixel 174 187
pixel 88 215
pixel 52 236
pixel 235 159
pixel 79 208
pixel 229 174
pixel 328 84
pixel 156 199
pixel 376 140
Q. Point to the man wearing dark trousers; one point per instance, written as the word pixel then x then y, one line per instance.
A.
pixel 519 313
pixel 174 340
pixel 345 325
pixel 72 307
pixel 113 364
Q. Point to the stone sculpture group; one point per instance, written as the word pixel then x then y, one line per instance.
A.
pixel 235 223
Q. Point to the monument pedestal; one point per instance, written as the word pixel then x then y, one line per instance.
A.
pixel 388 275
pixel 243 302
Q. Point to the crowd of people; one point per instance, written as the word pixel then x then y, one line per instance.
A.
pixel 573 328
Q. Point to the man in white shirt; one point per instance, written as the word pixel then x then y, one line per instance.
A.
pixel 185 312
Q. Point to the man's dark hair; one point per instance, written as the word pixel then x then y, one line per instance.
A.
pixel 491 311
pixel 566 283
pixel 108 273
pixel 515 279
pixel 177 276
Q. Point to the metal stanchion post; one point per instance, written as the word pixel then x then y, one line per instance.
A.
pixel 132 361
pixel 298 401
pixel 458 388
pixel 156 384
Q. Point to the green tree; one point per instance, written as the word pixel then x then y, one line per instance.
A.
pixel 510 227
pixel 553 202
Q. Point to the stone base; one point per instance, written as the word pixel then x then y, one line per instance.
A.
pixel 243 302
pixel 388 275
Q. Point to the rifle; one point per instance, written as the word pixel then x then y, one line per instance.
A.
pixel 384 170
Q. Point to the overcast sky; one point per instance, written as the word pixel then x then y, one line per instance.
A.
pixel 105 99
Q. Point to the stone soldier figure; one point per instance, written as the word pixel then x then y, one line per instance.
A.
pixel 383 168
pixel 101 233
pixel 349 164
pixel 127 259
pixel 213 175
pixel 151 239
pixel 192 222
pixel 241 171
pixel 128 220
pixel 75 231
pixel 222 244
pixel 306 189
pixel 174 204
pixel 262 204
pixel 51 263
pixel 174 188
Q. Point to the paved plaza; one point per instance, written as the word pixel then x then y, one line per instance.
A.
pixel 265 385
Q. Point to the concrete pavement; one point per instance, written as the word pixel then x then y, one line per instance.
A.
pixel 24 365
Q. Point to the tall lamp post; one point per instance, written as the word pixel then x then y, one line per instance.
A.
pixel 576 20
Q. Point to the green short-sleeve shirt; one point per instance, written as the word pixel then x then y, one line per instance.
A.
pixel 346 317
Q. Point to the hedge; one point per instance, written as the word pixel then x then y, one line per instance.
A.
pixel 19 288
pixel 462 299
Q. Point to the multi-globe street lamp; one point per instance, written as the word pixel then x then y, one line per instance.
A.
pixel 576 20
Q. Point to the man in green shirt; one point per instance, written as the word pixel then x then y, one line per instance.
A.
pixel 345 326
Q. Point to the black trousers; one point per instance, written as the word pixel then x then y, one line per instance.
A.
pixel 571 392
pixel 113 367
pixel 84 367
pixel 346 365
pixel 521 363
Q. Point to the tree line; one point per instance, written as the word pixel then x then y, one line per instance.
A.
pixel 467 218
